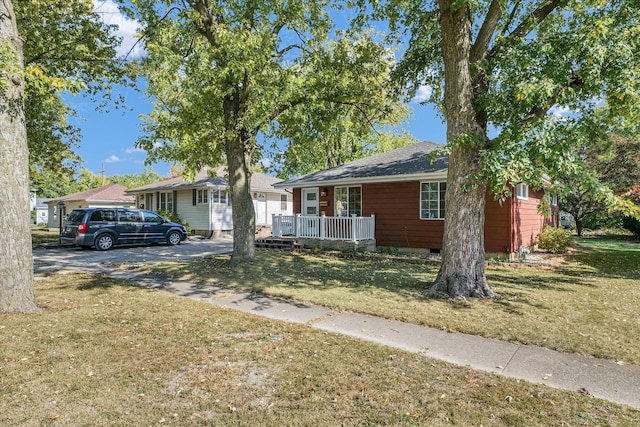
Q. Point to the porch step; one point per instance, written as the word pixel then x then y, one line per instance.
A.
pixel 275 243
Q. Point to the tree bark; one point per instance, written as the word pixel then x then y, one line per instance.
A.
pixel 239 151
pixel 16 261
pixel 462 271
pixel 579 226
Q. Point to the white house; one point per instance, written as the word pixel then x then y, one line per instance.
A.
pixel 42 211
pixel 112 195
pixel 205 203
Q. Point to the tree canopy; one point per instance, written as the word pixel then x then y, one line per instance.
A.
pixel 499 71
pixel 347 121
pixel 67 49
pixel 609 168
pixel 221 75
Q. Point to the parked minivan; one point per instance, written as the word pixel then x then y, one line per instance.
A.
pixel 103 228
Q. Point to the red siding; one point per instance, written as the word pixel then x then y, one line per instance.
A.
pixel 497 220
pixel 527 221
pixel 397 209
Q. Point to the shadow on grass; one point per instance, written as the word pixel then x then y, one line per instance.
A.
pixel 273 271
pixel 611 256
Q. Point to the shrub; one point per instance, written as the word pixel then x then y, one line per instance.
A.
pixel 554 240
pixel 632 224
pixel 173 217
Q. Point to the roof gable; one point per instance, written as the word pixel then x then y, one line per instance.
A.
pixel 406 161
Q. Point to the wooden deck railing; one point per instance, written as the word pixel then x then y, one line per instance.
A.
pixel 353 228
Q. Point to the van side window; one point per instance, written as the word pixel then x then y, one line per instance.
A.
pixel 152 217
pixel 129 216
pixel 103 216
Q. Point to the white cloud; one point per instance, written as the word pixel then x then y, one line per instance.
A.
pixel 131 150
pixel 112 159
pixel 560 111
pixel 265 162
pixel 423 94
pixel 127 28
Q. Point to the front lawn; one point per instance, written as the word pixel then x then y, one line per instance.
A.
pixel 109 353
pixel 588 303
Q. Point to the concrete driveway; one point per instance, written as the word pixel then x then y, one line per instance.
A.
pixel 53 260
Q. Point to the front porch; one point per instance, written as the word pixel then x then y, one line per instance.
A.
pixel 352 232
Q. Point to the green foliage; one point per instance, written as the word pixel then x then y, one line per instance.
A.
pixel 611 164
pixel 338 126
pixel 632 224
pixel 148 176
pixel 67 49
pixel 554 240
pixel 603 220
pixel 529 61
pixel 174 217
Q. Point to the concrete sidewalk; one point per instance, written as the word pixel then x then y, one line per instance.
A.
pixel 601 378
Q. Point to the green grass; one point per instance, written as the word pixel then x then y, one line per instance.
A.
pixel 105 352
pixel 588 304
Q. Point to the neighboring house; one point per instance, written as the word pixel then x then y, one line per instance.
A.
pixel 403 193
pixel 112 195
pixel 41 211
pixel 206 204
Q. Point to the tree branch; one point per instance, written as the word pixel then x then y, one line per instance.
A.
pixel 531 21
pixel 481 46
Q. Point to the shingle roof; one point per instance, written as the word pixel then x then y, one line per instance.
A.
pixel 410 160
pixel 259 182
pixel 108 193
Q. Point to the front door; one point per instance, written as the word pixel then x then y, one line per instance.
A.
pixel 310 204
pixel 260 206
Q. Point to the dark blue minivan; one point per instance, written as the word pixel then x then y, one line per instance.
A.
pixel 103 228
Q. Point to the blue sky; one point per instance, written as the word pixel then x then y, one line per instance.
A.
pixel 109 138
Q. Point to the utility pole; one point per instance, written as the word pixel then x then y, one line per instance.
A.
pixel 103 174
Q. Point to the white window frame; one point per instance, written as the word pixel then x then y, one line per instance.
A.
pixel 335 199
pixel 219 197
pixel 522 191
pixel 167 203
pixel 284 202
pixel 554 200
pixel 441 210
pixel 202 197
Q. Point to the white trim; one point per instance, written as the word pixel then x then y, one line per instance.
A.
pixel 335 201
pixel 439 201
pixel 304 204
pixel 524 193
pixel 439 176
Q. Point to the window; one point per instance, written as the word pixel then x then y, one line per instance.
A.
pixel 283 202
pixel 152 217
pixel 554 200
pixel 103 216
pixel 432 204
pixel 348 201
pixel 166 202
pixel 202 197
pixel 129 216
pixel 522 191
pixel 219 197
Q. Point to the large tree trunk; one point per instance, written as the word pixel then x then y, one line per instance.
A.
pixel 16 262
pixel 244 216
pixel 239 151
pixel 462 272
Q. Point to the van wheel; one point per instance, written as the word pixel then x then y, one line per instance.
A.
pixel 104 242
pixel 174 238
